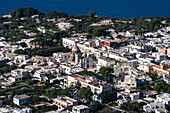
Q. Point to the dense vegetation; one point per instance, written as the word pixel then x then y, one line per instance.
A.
pixel 7 68
pixel 85 93
pixel 42 51
pixel 24 12
pixel 85 72
pixel 161 86
pixel 106 72
pixel 133 107
pixel 108 96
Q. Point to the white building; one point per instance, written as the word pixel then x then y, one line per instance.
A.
pixel 15 110
pixel 160 56
pixel 134 96
pixel 85 81
pixel 41 29
pixel 80 109
pixel 127 82
pixel 20 59
pixel 61 57
pixel 64 102
pixel 15 79
pixel 164 98
pixel 18 72
pixel 105 62
pixel 154 106
pixel 39 75
pixel 64 25
pixel 21 99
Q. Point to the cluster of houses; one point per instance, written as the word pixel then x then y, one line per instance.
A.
pixel 133 58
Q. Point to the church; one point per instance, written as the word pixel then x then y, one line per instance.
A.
pixel 84 60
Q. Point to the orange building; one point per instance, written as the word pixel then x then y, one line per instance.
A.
pixel 64 102
pixel 161 70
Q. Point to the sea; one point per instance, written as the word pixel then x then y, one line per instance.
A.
pixel 109 8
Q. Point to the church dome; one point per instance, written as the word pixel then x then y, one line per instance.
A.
pixel 75 49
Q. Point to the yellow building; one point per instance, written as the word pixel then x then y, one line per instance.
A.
pixel 161 70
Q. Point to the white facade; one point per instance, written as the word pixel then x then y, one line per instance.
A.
pixel 15 110
pixel 105 62
pixel 41 29
pixel 66 69
pixel 64 25
pixel 68 43
pixel 18 72
pixel 164 98
pixel 154 106
pixel 15 79
pixel 160 56
pixel 21 99
pixel 92 82
pixel 41 76
pixel 80 109
pixel 134 96
pixel 61 57
pixel 128 82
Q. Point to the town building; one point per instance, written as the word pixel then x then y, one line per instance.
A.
pixel 80 109
pixel 21 99
pixel 64 102
pixel 154 106
pixel 127 81
pixel 164 98
pixel 96 85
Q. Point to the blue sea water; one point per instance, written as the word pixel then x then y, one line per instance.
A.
pixel 109 8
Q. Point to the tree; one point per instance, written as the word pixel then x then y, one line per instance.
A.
pixel 34 99
pixel 156 28
pixel 154 76
pixel 54 14
pixel 133 107
pixel 154 24
pixel 13 13
pixel 7 68
pixel 31 82
pixel 51 14
pixel 106 110
pixel 23 44
pixel 24 12
pixel 19 13
pixel 161 86
pixel 85 72
pixel 106 72
pixel 99 31
pixel 51 92
pixel 85 92
pixel 78 85
pixel 108 96
pixel 27 76
pixel 96 106
pixel 28 12
pixel 89 36
pixel 92 13
pixel 20 51
pixel 148 50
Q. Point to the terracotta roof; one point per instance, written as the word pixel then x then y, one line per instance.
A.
pixel 75 76
pixel 82 80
